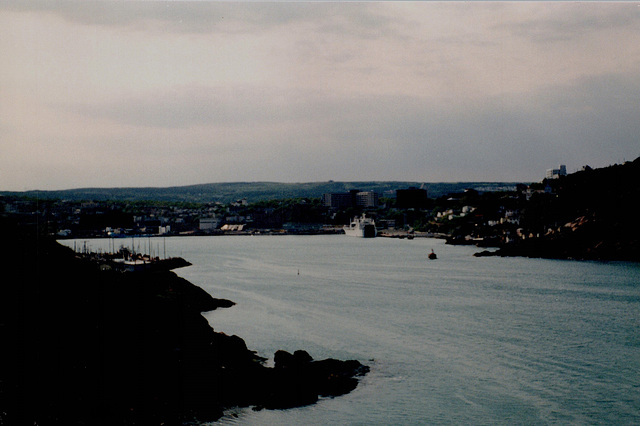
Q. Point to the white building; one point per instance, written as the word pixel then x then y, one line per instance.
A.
pixel 208 223
pixel 556 173
pixel 228 227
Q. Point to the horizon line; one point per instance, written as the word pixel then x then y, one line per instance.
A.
pixel 258 182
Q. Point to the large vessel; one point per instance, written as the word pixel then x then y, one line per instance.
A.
pixel 361 226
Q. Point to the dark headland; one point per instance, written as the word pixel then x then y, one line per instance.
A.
pixel 588 215
pixel 85 346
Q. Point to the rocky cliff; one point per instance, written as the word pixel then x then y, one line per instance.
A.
pixel 84 346
pixel 591 214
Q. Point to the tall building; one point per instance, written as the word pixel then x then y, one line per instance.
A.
pixel 411 198
pixel 352 198
pixel 556 173
pixel 337 200
pixel 367 199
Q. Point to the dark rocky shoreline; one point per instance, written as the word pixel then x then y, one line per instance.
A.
pixel 586 238
pixel 84 346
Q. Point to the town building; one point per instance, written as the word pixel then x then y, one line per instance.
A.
pixel 337 200
pixel 353 198
pixel 367 199
pixel 556 173
pixel 208 223
pixel 411 198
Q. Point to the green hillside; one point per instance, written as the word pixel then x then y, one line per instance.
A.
pixel 254 191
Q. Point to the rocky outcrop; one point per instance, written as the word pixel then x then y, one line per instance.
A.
pixel 299 380
pixel 589 215
pixel 585 238
pixel 87 346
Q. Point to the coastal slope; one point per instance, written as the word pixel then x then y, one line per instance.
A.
pixel 85 346
pixel 590 215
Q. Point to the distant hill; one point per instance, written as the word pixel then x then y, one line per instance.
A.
pixel 256 191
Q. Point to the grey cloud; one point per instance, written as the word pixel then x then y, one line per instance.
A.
pixel 585 115
pixel 361 19
pixel 598 115
pixel 510 135
pixel 564 22
pixel 369 136
pixel 185 107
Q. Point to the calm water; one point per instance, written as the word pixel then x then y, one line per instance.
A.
pixel 457 340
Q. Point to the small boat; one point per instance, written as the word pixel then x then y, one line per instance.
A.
pixel 361 227
pixel 432 255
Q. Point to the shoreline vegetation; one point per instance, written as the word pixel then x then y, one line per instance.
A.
pixel 89 345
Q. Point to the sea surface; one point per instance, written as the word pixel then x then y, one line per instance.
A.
pixel 457 340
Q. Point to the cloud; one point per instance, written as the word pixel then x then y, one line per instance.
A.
pixel 562 22
pixel 361 19
pixel 209 91
pixel 498 136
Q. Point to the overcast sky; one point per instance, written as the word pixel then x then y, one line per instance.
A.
pixel 175 93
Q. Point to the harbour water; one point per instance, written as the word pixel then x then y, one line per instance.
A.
pixel 457 340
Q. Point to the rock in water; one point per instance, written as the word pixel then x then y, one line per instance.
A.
pixel 299 380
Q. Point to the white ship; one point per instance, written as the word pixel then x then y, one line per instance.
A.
pixel 361 227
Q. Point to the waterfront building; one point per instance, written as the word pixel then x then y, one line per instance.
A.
pixel 208 223
pixel 233 227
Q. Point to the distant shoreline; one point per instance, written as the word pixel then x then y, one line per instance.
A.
pixel 540 248
pixel 253 191
pixel 381 234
